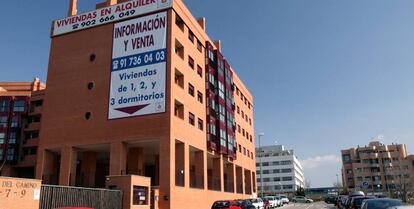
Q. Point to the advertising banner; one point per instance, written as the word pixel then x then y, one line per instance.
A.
pixel 138 71
pixel 108 14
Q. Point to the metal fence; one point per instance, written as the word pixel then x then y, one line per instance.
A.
pixel 52 197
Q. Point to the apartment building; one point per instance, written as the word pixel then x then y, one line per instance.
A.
pixel 139 88
pixel 20 114
pixel 377 168
pixel 281 170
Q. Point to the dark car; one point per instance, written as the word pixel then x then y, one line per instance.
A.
pixel 244 204
pixel 380 203
pixel 331 199
pixel 356 202
pixel 338 200
pixel 226 204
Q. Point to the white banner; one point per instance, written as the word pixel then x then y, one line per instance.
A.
pixel 108 14
pixel 138 72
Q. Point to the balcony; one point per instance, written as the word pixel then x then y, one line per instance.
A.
pixel 35 110
pixel 27 161
pixel 32 126
pixel 31 142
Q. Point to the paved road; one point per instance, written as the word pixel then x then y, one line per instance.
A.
pixel 316 205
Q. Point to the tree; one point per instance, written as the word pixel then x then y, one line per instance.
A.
pixel 300 192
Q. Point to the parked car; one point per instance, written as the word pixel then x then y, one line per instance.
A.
pixel 302 199
pixel 244 204
pixel 225 204
pixel 356 202
pixel 331 199
pixel 273 201
pixel 402 207
pixel 338 200
pixel 343 202
pixel 258 203
pixel 279 201
pixel 380 203
pixel 284 199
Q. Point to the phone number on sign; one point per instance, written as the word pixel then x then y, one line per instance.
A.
pixel 102 20
pixel 138 60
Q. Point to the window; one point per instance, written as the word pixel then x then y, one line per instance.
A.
pixel 179 78
pixel 238 110
pixel 240 149
pixel 140 195
pixel 2 136
pixel 191 118
pixel 10 154
pixel 286 170
pixel 244 150
pixel 1 154
pixel 287 178
pixel 199 46
pixel 12 138
pixel 191 62
pixel 179 22
pixel 248 153
pixel 3 121
pixel 191 36
pixel 276 171
pixel 190 89
pixel 286 162
pixel 199 71
pixel 238 128
pixel 251 138
pixel 179 109
pixel 200 97
pixel 346 158
pixel 200 124
pixel 179 49
pixel 14 122
pixel 250 121
pixel 19 106
pixel 4 106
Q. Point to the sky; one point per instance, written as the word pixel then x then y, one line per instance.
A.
pixel 325 75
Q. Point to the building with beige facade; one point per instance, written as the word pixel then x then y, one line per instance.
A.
pixel 378 168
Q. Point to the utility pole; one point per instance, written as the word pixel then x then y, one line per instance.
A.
pixel 260 161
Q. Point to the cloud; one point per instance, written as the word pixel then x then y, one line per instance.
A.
pixel 320 161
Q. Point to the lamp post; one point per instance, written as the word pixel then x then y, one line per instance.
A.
pixel 260 162
pixel 337 184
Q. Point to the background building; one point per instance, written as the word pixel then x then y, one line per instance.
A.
pixel 20 115
pixel 195 141
pixel 281 170
pixel 378 168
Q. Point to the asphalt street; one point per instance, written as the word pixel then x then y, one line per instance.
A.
pixel 316 205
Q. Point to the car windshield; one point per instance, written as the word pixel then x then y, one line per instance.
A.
pixel 254 200
pixel 382 204
pixel 283 197
pixel 268 198
pixel 358 202
pixel 221 204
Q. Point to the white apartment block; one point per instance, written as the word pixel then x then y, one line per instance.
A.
pixel 281 170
